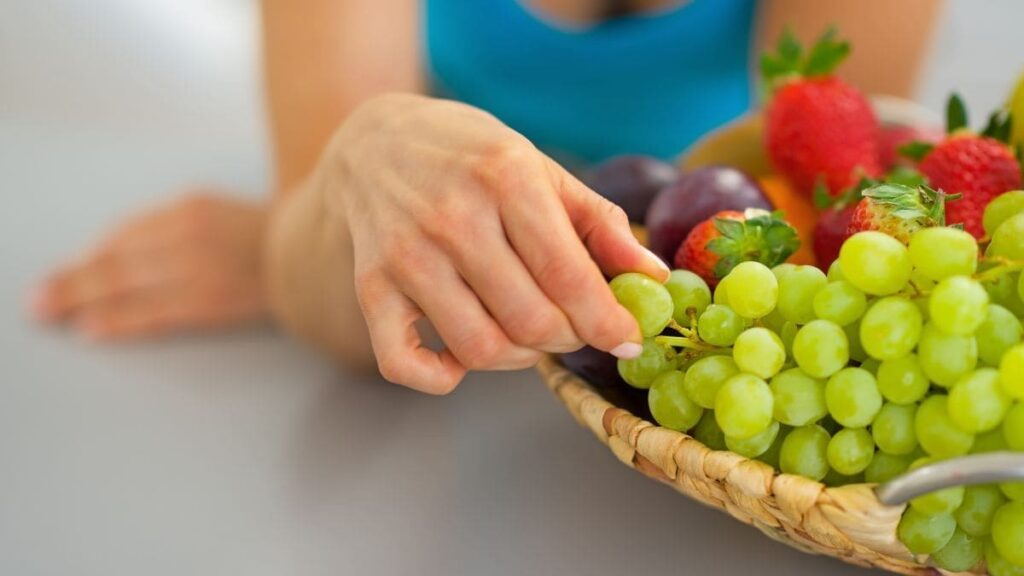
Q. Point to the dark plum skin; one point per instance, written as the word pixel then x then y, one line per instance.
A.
pixel 697 196
pixel 631 181
pixel 600 370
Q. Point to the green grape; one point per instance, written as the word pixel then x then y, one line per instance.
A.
pixel 782 269
pixel 1012 490
pixel 991 441
pixel 646 299
pixel 752 290
pixel 1011 372
pixel 797 290
pixel 721 293
pixel 893 428
pixel 788 335
pixel 708 433
pixel 974 516
pixel 936 432
pixel 885 467
pixel 834 478
pixel 804 452
pixel 706 376
pixel 852 397
pixel 774 321
pixel 938 253
pixel 839 302
pixel 798 399
pixel 977 402
pixel 999 566
pixel 669 404
pixel 1001 209
pixel 999 332
pixel 1008 531
pixel 771 455
pixel 1013 427
pixel 871 365
pixel 1008 239
pixel 1003 291
pixel 944 501
pixel 755 445
pixel 719 325
pixel 924 534
pixel 641 371
pixel 890 328
pixel 902 380
pixel 835 272
pixel 958 305
pixel 1020 287
pixel 743 406
pixel 852 332
pixel 821 348
pixel 875 263
pixel 945 358
pixel 961 553
pixel 850 451
pixel 760 352
pixel 690 295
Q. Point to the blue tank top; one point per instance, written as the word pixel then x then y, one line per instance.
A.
pixel 648 84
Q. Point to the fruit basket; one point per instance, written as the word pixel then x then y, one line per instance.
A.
pixel 920 316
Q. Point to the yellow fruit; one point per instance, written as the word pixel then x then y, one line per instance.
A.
pixel 1016 106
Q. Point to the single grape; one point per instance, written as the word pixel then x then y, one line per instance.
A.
pixel 876 263
pixel 924 534
pixel 944 501
pixel 958 305
pixel 1003 291
pixel 885 467
pixel 669 404
pixel 1008 532
pixel 991 441
pixel 753 290
pixel 974 516
pixel 999 332
pixel 1013 427
pixel 852 332
pixel 719 325
pixel 821 348
pixel 893 429
pixel 936 432
pixel 641 371
pixel 852 397
pixel 977 402
pixel 1012 490
pixel 835 272
pixel 961 553
pixel 850 451
pixel 721 293
pixel 706 376
pixel 945 358
pixel 938 253
pixel 755 445
pixel 840 302
pixel 760 352
pixel 743 406
pixel 804 452
pixel 902 380
pixel 646 299
pixel 1008 239
pixel 771 455
pixel 1020 287
pixel 999 566
pixel 783 269
pixel 690 295
pixel 890 328
pixel 798 399
pixel 708 433
pixel 788 335
pixel 1001 209
pixel 1011 372
pixel 797 290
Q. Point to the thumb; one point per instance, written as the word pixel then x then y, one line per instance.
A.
pixel 604 229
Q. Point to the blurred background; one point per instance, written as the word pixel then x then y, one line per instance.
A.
pixel 244 453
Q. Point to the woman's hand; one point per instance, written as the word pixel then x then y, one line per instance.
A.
pixel 193 264
pixel 456 217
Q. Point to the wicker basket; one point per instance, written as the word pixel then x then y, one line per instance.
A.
pixel 846 522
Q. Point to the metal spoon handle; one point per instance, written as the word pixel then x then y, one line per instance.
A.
pixel 976 469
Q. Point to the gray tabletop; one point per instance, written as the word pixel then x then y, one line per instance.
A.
pixel 246 453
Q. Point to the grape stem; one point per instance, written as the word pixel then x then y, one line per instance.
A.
pixel 1003 266
pixel 685 342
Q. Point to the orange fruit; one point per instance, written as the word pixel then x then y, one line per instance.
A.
pixel 798 211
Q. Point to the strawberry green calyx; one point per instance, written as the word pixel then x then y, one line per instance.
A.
pixel 790 61
pixel 914 204
pixel 761 236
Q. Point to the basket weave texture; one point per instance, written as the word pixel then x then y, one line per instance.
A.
pixel 845 522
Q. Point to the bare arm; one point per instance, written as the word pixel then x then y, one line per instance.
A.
pixel 890 39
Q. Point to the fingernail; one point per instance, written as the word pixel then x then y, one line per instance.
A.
pixel 627 350
pixel 658 261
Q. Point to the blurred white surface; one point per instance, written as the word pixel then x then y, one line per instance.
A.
pixel 246 454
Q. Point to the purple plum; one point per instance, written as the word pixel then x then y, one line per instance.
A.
pixel 697 196
pixel 631 181
pixel 600 370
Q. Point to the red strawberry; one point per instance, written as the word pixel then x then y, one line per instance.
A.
pixel 897 210
pixel 829 234
pixel 977 167
pixel 817 127
pixel 716 245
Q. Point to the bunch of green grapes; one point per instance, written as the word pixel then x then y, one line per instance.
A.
pixel 900 356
